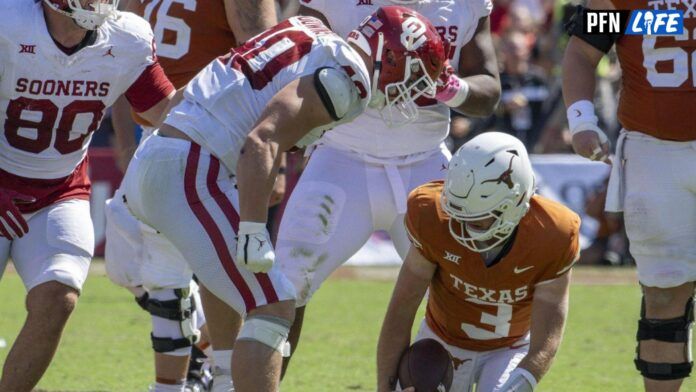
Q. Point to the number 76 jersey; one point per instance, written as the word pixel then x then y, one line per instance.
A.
pixel 51 102
pixel 658 92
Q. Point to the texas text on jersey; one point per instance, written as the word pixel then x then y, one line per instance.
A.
pixel 478 307
pixel 56 100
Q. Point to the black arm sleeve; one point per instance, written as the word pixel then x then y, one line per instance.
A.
pixel 575 26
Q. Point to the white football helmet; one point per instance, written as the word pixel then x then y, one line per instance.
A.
pixel 488 177
pixel 89 18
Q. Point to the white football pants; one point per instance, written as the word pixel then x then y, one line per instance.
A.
pixel 338 203
pixel 487 370
pixel 182 191
pixel 660 208
pixel 58 246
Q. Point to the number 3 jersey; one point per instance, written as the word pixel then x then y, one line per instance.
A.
pixel 658 93
pixel 224 101
pixel 51 102
pixel 478 307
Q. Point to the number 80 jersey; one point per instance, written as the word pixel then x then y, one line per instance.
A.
pixel 51 102
pixel 658 92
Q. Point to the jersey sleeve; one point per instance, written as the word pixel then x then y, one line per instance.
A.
pixel 148 84
pixel 567 254
pixel 485 7
pixel 149 89
pixel 413 223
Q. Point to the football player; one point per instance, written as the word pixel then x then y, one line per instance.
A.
pixel 62 64
pixel 137 257
pixel 359 175
pixel 280 89
pixel 652 178
pixel 496 259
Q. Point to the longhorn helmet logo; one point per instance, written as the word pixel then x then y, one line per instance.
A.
pixel 505 177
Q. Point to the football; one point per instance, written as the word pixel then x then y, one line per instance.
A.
pixel 427 366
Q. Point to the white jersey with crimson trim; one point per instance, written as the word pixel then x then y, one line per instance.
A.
pixel 52 102
pixel 229 95
pixel 456 21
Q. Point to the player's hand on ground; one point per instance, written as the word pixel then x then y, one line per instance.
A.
pixel 587 144
pixel 278 193
pixel 12 223
pixel 254 248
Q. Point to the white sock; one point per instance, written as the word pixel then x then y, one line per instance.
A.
pixel 223 359
pixel 168 387
pixel 222 371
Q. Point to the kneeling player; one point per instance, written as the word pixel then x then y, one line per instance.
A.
pixel 497 261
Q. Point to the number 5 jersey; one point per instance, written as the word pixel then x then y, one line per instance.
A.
pixel 52 101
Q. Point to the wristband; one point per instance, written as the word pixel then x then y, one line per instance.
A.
pixel 581 117
pixel 526 374
pixel 455 91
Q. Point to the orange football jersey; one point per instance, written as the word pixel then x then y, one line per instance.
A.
pixel 658 93
pixel 189 34
pixel 482 308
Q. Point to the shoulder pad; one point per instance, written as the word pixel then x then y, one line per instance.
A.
pixel 337 91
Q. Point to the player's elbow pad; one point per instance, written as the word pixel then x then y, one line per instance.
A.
pixel 576 27
pixel 336 90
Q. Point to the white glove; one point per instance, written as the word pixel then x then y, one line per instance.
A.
pixel 520 380
pixel 254 249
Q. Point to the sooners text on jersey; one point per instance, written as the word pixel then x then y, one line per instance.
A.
pixel 51 102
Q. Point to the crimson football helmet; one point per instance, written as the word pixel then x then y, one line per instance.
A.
pixel 408 56
pixel 90 16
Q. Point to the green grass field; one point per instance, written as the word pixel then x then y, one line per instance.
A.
pixel 106 344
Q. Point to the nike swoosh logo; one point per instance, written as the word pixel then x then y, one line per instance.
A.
pixel 521 270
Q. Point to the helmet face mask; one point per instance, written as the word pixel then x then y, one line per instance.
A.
pixel 90 16
pixel 489 178
pixel 408 56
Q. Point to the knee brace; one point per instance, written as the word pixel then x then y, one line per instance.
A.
pixel 269 330
pixel 182 310
pixel 676 330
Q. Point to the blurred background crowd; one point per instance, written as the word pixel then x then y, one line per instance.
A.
pixel 529 38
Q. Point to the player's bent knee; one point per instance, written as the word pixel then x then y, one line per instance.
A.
pixel 269 330
pixel 53 301
pixel 674 330
pixel 174 326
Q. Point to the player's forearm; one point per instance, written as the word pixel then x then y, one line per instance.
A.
pixel 256 171
pixel 393 340
pixel 248 18
pixel 547 332
pixel 578 74
pixel 484 95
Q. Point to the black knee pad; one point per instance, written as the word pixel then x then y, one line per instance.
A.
pixel 676 330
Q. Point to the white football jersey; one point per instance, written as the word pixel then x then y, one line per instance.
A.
pixel 227 97
pixel 52 102
pixel 456 21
